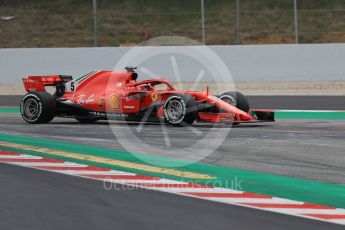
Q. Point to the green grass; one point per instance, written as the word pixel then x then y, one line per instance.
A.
pixel 62 23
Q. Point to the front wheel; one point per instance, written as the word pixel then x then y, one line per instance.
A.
pixel 236 99
pixel 179 110
pixel 38 107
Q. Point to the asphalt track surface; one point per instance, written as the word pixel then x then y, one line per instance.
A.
pixel 32 199
pixel 310 149
pixel 258 102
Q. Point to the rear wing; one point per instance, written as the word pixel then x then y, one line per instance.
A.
pixel 38 83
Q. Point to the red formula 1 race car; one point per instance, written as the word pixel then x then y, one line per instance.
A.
pixel 106 94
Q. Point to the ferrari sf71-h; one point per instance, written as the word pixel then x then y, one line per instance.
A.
pixel 106 95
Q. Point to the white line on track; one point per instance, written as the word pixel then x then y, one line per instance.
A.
pixel 88 172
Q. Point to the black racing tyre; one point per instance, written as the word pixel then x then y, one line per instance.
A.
pixel 180 110
pixel 236 99
pixel 87 120
pixel 38 107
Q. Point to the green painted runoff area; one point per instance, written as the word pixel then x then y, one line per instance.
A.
pixel 9 110
pixel 250 181
pixel 290 114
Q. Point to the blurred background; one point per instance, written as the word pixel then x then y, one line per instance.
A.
pixel 256 40
pixel 90 23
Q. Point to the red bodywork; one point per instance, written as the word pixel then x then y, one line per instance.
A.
pixel 119 93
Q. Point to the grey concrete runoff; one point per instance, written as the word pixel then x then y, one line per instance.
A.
pixel 37 200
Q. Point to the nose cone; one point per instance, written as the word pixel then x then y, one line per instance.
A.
pixel 239 114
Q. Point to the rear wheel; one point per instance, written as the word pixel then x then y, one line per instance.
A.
pixel 236 99
pixel 179 110
pixel 38 107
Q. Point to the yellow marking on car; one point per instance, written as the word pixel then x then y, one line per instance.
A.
pixel 114 102
pixel 154 96
pixel 108 161
pixel 101 102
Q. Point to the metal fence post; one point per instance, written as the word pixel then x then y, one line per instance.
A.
pixel 237 29
pixel 296 21
pixel 95 30
pixel 203 22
